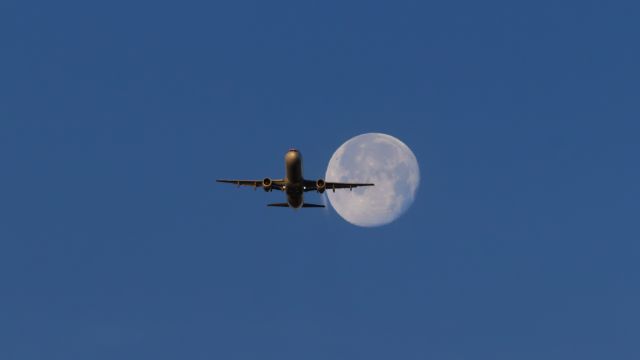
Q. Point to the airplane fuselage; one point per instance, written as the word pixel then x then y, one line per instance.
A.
pixel 295 181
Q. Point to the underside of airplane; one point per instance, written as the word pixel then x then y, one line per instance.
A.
pixel 294 184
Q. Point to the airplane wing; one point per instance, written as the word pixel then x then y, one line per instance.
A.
pixel 277 184
pixel 313 186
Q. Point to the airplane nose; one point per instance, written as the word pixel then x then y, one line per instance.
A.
pixel 292 155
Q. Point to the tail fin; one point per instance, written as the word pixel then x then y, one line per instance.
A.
pixel 279 205
pixel 307 205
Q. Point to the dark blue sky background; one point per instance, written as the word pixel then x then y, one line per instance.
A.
pixel 116 244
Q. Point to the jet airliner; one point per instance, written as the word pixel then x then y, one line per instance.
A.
pixel 294 184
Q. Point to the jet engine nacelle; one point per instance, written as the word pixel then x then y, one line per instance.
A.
pixel 321 186
pixel 266 184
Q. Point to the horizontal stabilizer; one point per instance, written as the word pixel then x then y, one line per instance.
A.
pixel 306 205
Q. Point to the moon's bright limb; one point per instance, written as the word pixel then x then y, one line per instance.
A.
pixel 380 159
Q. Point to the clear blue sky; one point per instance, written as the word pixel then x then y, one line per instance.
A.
pixel 116 244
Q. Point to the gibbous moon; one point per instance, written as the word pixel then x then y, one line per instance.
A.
pixel 380 159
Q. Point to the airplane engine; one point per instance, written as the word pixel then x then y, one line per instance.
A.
pixel 266 184
pixel 321 186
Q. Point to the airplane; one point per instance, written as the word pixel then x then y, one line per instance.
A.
pixel 294 184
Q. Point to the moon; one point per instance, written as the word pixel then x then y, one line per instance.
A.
pixel 380 159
